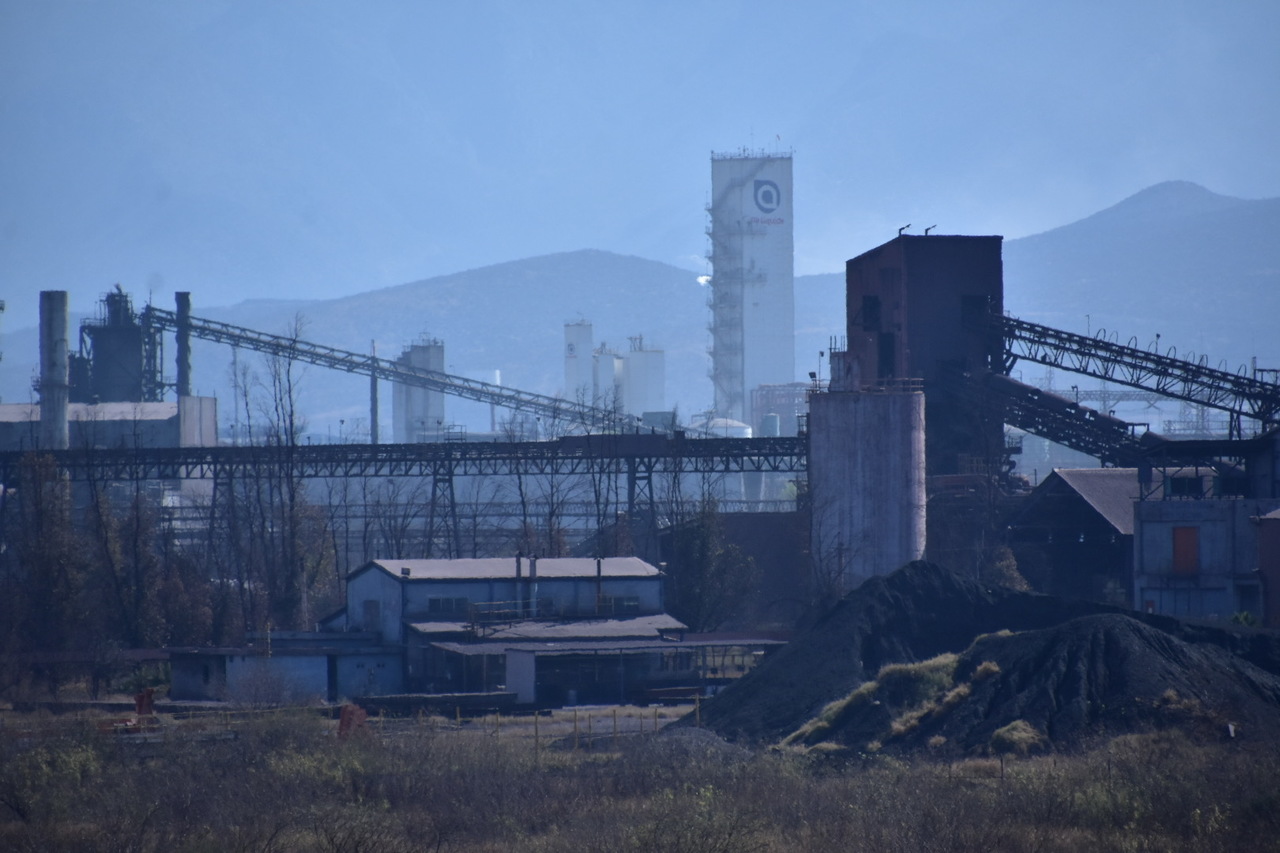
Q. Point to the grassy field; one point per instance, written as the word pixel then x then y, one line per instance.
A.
pixel 284 781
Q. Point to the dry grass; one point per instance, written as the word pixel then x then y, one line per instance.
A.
pixel 285 783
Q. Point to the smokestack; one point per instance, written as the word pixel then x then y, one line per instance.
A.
pixel 54 391
pixel 599 584
pixel 184 343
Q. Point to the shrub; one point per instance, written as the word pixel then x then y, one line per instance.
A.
pixel 1018 737
pixel 986 670
pixel 907 685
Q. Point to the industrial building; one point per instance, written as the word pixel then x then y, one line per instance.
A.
pixel 916 309
pixel 633 382
pixel 1073 535
pixel 185 422
pixel 546 631
pixel 752 279
pixel 108 394
pixel 417 413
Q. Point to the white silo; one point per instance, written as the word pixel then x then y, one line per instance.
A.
pixel 752 279
pixel 417 414
pixel 644 379
pixel 579 363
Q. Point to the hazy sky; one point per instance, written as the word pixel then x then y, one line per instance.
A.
pixel 312 149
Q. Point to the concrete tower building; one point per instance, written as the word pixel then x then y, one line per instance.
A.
pixel 643 379
pixel 915 307
pixel 752 279
pixel 417 414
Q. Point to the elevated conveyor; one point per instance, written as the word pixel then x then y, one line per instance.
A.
pixel 1241 395
pixel 554 409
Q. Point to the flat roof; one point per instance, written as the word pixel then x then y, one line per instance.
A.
pixel 583 647
pixel 583 629
pixel 505 567
pixel 90 412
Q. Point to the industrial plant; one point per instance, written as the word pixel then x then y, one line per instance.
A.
pixel 454 562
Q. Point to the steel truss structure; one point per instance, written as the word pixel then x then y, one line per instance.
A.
pixel 626 473
pixel 634 455
pixel 1060 420
pixel 554 409
pixel 1239 394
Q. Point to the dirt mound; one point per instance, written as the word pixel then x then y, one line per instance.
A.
pixel 1096 676
pixel 916 613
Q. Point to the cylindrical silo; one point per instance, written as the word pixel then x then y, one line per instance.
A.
pixel 866 484
pixel 53 370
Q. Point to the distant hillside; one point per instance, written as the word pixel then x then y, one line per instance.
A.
pixel 1200 269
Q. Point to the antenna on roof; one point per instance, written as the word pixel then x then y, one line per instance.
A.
pixel 930 228
pixel 903 228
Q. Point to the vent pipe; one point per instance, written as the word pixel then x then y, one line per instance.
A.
pixel 533 587
pixel 54 390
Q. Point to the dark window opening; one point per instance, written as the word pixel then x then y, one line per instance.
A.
pixel 870 313
pixel 1186 551
pixel 886 356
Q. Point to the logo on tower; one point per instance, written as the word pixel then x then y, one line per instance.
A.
pixel 768 196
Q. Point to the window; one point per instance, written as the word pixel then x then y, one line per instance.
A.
pixel 1186 551
pixel 871 313
pixel 372 614
pixel 447 606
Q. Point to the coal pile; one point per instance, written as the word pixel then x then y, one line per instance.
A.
pixel 1093 677
pixel 1040 670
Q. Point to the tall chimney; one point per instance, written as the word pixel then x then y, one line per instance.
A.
pixel 54 391
pixel 184 343
pixel 519 588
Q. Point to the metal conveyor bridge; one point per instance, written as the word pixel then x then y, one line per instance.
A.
pixel 552 408
pixel 1239 394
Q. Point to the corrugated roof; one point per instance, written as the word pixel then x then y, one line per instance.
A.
pixel 505 567
pixel 1110 491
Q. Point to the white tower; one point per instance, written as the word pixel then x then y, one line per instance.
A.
pixel 643 379
pixel 752 278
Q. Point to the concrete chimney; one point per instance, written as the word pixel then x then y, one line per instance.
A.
pixel 54 390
